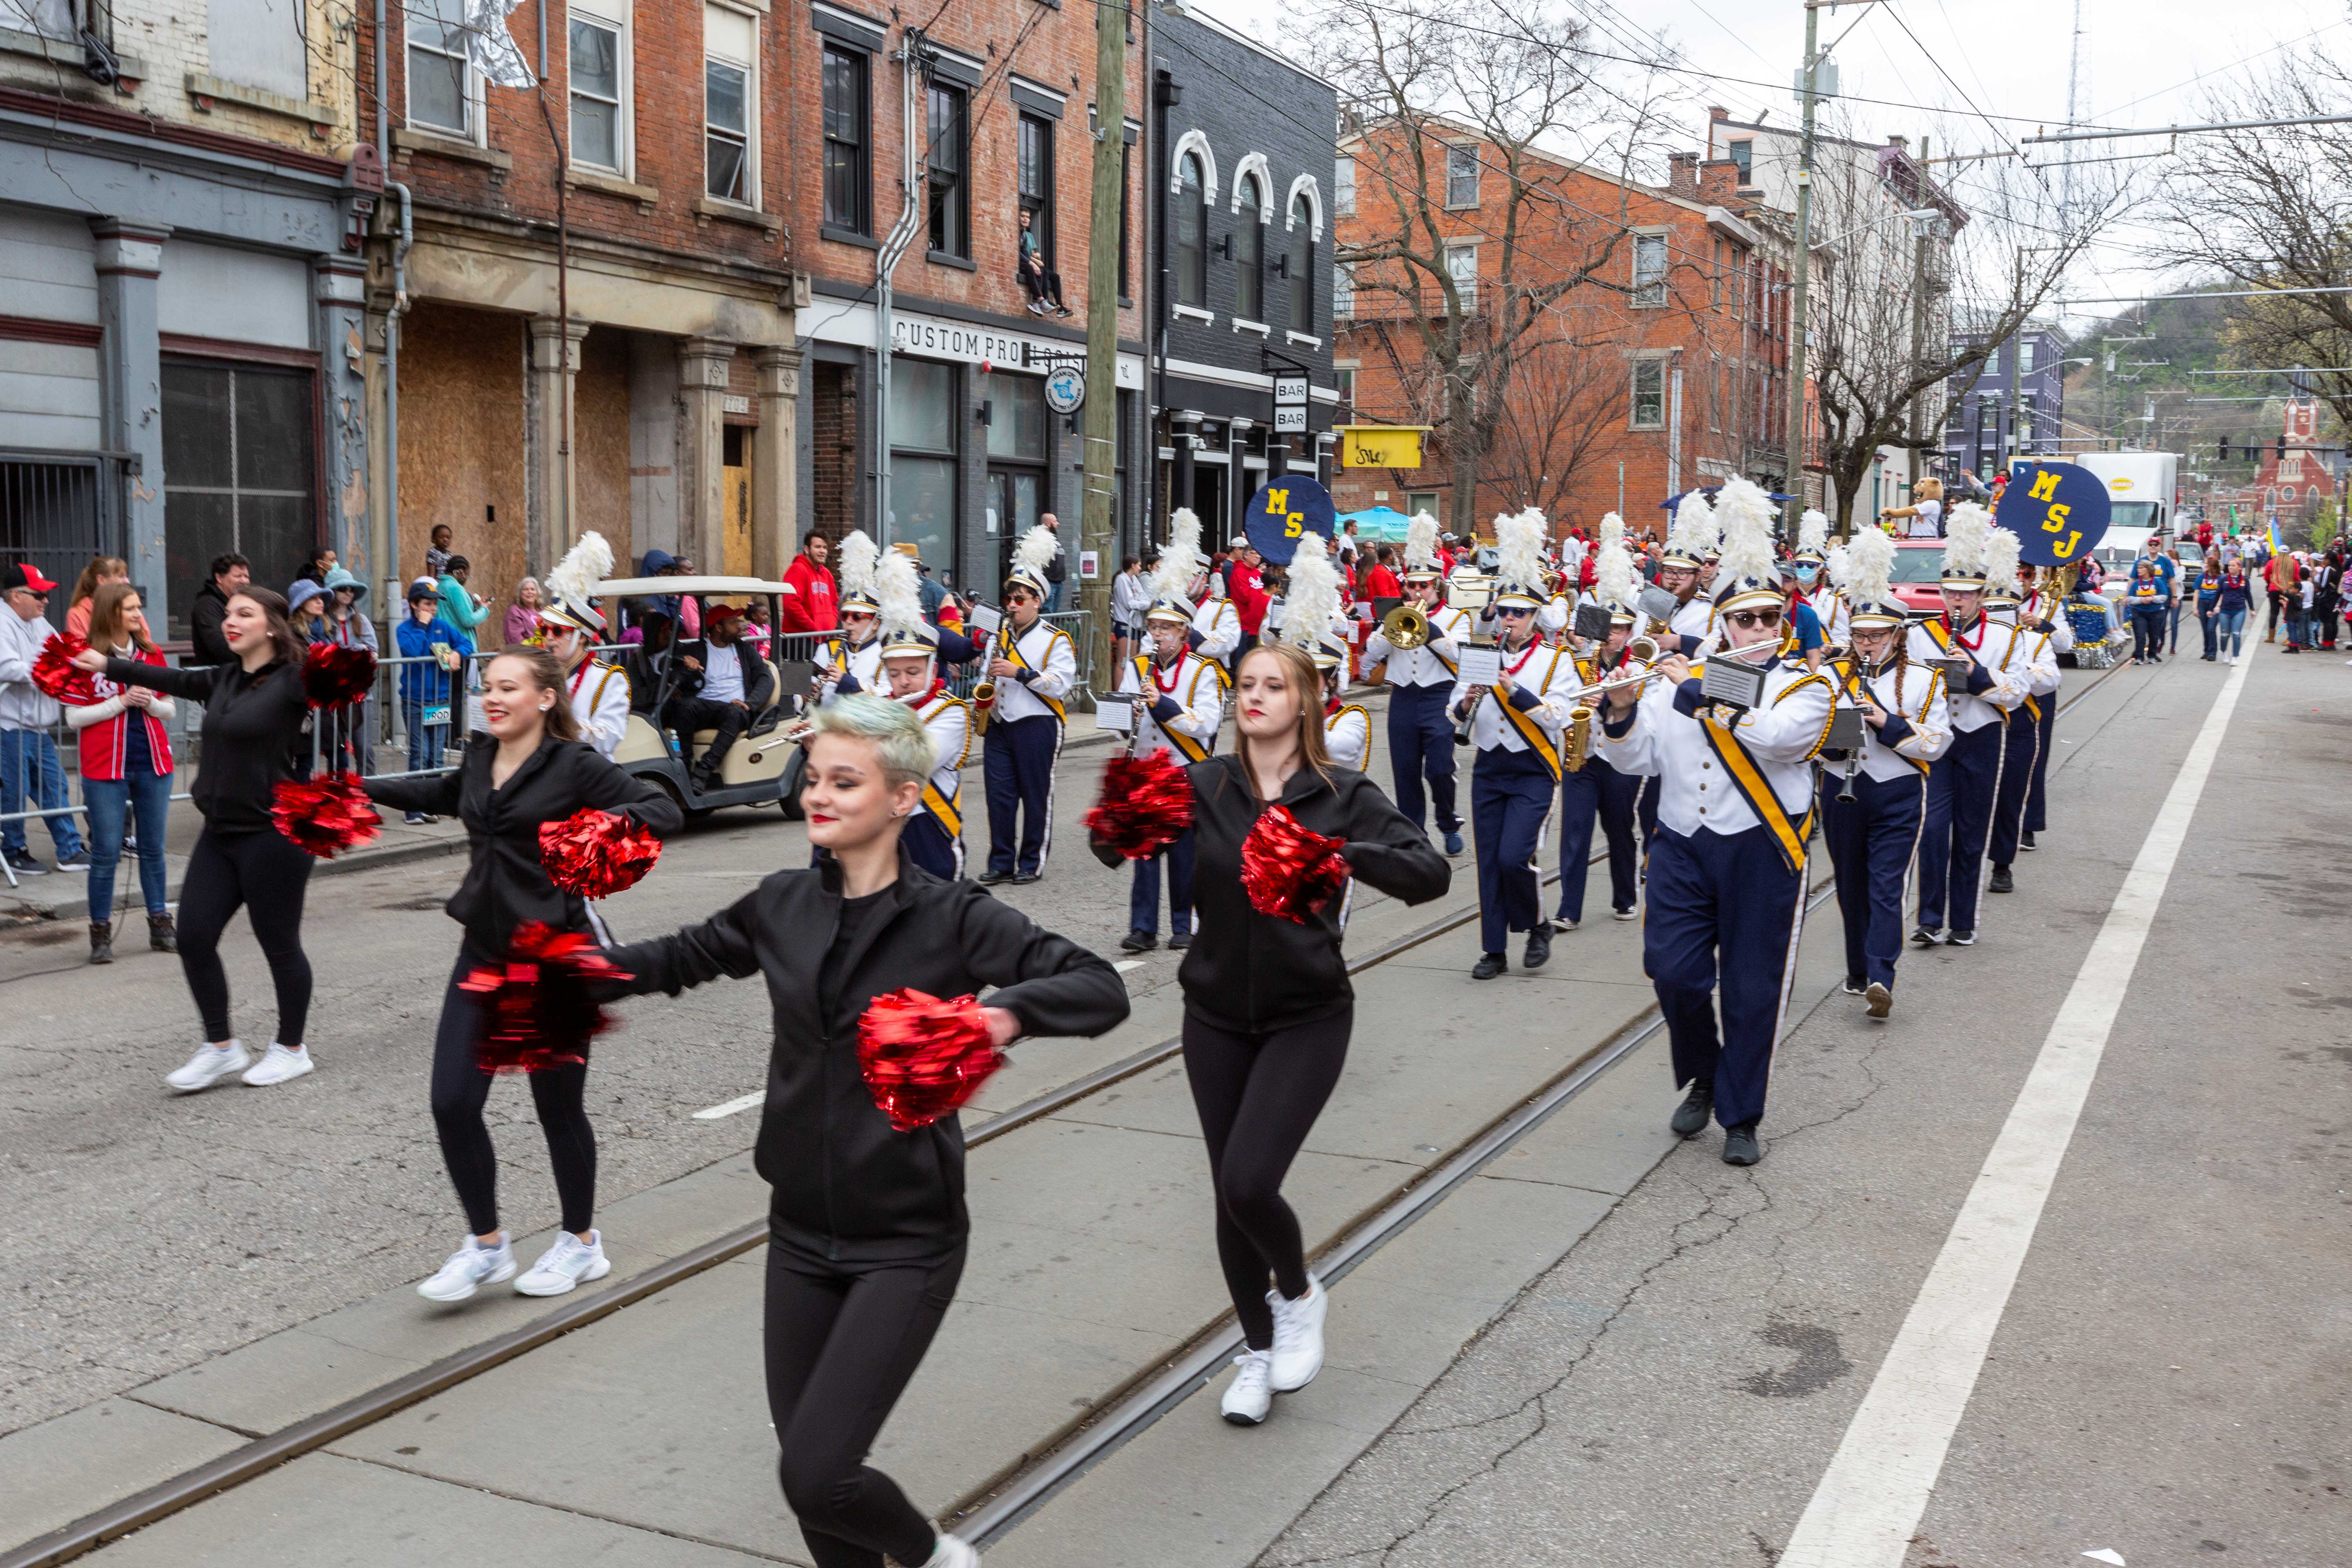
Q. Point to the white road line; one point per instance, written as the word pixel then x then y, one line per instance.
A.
pixel 741 1103
pixel 1124 965
pixel 1870 1502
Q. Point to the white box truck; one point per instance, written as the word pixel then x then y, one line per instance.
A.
pixel 2143 486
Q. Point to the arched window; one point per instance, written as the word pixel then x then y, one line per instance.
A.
pixel 1302 265
pixel 1191 237
pixel 1249 253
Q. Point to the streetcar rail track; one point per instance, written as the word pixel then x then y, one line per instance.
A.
pixel 985 1513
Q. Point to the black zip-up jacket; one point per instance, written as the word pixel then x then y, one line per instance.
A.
pixel 848 1189
pixel 208 646
pixel 505 884
pixel 1253 973
pixel 256 727
pixel 759 680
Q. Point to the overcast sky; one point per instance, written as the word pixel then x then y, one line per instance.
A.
pixel 1989 70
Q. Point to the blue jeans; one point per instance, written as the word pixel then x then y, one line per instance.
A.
pixel 150 795
pixel 2211 622
pixel 425 745
pixel 29 767
pixel 2231 625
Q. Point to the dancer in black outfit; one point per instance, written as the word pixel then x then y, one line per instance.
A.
pixel 256 730
pixel 866 1225
pixel 538 771
pixel 1267 1006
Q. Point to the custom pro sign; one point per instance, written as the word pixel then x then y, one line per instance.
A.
pixel 1286 508
pixel 2059 509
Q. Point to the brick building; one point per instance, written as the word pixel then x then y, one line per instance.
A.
pixel 1001 95
pixel 1660 361
pixel 182 206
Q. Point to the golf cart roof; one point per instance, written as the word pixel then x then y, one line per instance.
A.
pixel 625 587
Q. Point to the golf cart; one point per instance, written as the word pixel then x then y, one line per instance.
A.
pixel 755 771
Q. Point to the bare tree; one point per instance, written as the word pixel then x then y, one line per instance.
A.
pixel 1902 307
pixel 1454 98
pixel 1567 407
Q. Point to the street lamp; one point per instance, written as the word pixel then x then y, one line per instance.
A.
pixel 1915 214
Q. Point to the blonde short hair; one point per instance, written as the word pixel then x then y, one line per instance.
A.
pixel 897 737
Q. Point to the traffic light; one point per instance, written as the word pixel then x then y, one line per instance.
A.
pixel 2281 446
pixel 2224 455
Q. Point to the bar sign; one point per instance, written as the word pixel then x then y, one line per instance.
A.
pixel 1289 404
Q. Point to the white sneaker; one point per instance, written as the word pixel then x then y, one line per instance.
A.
pixel 1250 1394
pixel 278 1065
pixel 209 1066
pixel 470 1268
pixel 1298 1336
pixel 570 1261
pixel 1624 914
pixel 952 1552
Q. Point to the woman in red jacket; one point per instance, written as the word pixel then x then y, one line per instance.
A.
pixel 126 760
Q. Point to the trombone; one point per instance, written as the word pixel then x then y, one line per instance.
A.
pixel 1406 627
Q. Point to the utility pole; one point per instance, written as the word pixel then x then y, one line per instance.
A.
pixel 2016 377
pixel 1799 312
pixel 1098 520
pixel 1920 233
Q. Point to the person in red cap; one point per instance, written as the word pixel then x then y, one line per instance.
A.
pixel 718 688
pixel 31 777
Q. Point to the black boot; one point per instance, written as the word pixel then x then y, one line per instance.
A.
pixel 1489 965
pixel 1538 948
pixel 101 941
pixel 162 935
pixel 2003 882
pixel 1138 941
pixel 1691 1115
pixel 1741 1146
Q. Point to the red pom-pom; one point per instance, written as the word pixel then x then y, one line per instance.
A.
pixel 54 670
pixel 596 853
pixel 538 1010
pixel 1288 872
pixel 334 676
pixel 923 1058
pixel 1145 805
pixel 324 817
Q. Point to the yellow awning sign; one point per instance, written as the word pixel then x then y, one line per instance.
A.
pixel 1380 445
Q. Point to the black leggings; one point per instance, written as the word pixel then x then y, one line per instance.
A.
pixel 842 1344
pixel 460 1090
pixel 266 874
pixel 1258 1096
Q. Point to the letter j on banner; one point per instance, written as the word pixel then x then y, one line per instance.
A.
pixel 2059 509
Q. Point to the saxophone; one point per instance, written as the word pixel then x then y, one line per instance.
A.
pixel 984 693
pixel 1577 744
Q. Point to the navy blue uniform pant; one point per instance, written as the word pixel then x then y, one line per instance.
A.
pixel 1870 839
pixel 1017 759
pixel 2037 807
pixel 1723 915
pixel 929 845
pixel 1143 902
pixel 1421 746
pixel 1596 790
pixel 1645 812
pixel 2019 750
pixel 1511 798
pixel 1960 792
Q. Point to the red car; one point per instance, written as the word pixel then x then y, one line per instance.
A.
pixel 1918 569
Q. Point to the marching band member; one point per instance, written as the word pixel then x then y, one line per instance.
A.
pixel 851 661
pixel 1595 789
pixel 1216 621
pixel 1870 823
pixel 2045 610
pixel 2022 741
pixel 909 646
pixel 599 691
pixel 1835 612
pixel 1180 704
pixel 1516 726
pixel 1347 727
pixel 1961 789
pixel 1809 622
pixel 1311 622
pixel 1034 668
pixel 1420 682
pixel 1727 869
pixel 1689 538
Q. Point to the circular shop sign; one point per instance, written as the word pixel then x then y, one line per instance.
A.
pixel 1065 390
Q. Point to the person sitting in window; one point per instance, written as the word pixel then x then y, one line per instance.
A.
pixel 1044 288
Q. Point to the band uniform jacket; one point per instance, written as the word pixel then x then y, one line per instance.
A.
pixel 845 665
pixel 1702 779
pixel 1049 671
pixel 2004 669
pixel 949 722
pixel 600 701
pixel 1216 628
pixel 1348 735
pixel 1430 664
pixel 1542 680
pixel 1186 706
pixel 2041 608
pixel 1919 727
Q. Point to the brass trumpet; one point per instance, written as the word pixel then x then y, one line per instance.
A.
pixel 1406 627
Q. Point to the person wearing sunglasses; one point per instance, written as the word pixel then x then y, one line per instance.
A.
pixel 1516 726
pixel 1726 873
pixel 1987 677
pixel 2022 744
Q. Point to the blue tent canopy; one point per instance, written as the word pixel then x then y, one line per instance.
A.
pixel 1379 525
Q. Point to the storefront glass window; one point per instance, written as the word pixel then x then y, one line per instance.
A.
pixel 1017 416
